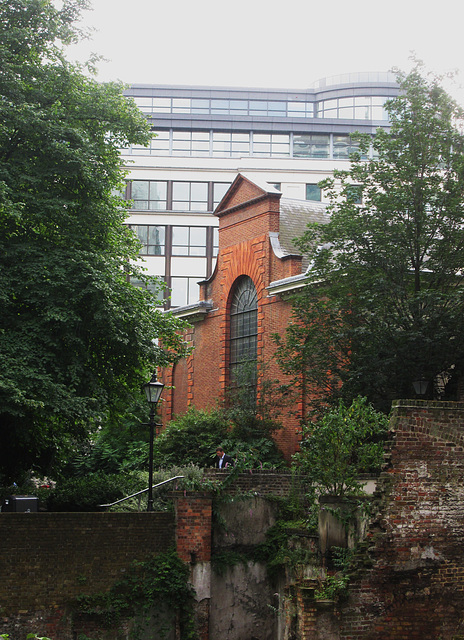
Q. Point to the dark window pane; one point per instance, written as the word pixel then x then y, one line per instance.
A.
pixel 313 192
pixel 243 327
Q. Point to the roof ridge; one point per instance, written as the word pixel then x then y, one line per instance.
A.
pixel 309 203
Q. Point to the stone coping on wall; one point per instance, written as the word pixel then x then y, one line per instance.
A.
pixel 261 482
pixel 428 404
pixel 250 472
pixel 189 493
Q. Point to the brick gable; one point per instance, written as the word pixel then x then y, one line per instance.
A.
pixel 249 230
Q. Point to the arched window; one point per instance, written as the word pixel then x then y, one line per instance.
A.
pixel 243 332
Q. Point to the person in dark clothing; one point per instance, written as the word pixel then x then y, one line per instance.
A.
pixel 222 459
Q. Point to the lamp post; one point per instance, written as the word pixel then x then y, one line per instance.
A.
pixel 153 390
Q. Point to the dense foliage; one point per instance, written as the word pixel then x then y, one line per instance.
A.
pixel 191 439
pixel 346 442
pixel 99 488
pixel 89 492
pixel 385 303
pixel 76 338
pixel 30 636
pixel 243 424
pixel 114 463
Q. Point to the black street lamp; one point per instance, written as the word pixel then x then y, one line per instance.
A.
pixel 153 390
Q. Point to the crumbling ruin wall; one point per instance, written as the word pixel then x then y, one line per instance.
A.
pixel 415 586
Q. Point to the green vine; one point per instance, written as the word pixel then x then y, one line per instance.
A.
pixel 335 587
pixel 281 548
pixel 161 582
pixel 222 561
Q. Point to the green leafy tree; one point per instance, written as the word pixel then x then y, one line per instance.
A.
pixel 76 338
pixel 344 443
pixel 385 302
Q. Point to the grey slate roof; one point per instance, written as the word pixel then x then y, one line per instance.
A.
pixel 294 217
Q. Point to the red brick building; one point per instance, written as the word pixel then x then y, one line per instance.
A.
pixel 244 301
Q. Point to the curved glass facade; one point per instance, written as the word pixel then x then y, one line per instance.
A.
pixel 360 77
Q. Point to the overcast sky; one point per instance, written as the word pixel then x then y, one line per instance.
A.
pixel 272 43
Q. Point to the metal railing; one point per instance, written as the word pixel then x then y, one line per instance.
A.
pixel 140 493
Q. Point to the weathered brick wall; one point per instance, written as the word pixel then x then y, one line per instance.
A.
pixel 193 525
pixel 47 559
pixel 415 587
pixel 193 542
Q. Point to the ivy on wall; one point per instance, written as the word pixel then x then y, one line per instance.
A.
pixel 150 588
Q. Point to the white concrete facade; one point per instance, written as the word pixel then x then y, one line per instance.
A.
pixel 205 136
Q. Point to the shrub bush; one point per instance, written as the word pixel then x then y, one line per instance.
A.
pixel 191 439
pixel 261 453
pixel 194 437
pixel 87 493
pixel 344 443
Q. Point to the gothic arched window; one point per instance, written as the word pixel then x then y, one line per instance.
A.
pixel 243 332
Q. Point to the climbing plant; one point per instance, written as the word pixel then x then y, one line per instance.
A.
pixel 159 584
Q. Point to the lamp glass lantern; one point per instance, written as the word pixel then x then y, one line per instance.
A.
pixel 153 390
pixel 420 386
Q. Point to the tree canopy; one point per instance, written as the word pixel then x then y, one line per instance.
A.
pixel 77 339
pixel 385 305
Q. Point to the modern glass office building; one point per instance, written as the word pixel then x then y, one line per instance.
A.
pixel 204 136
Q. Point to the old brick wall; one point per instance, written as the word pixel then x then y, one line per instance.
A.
pixel 276 317
pixel 47 559
pixel 194 512
pixel 193 525
pixel 415 586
